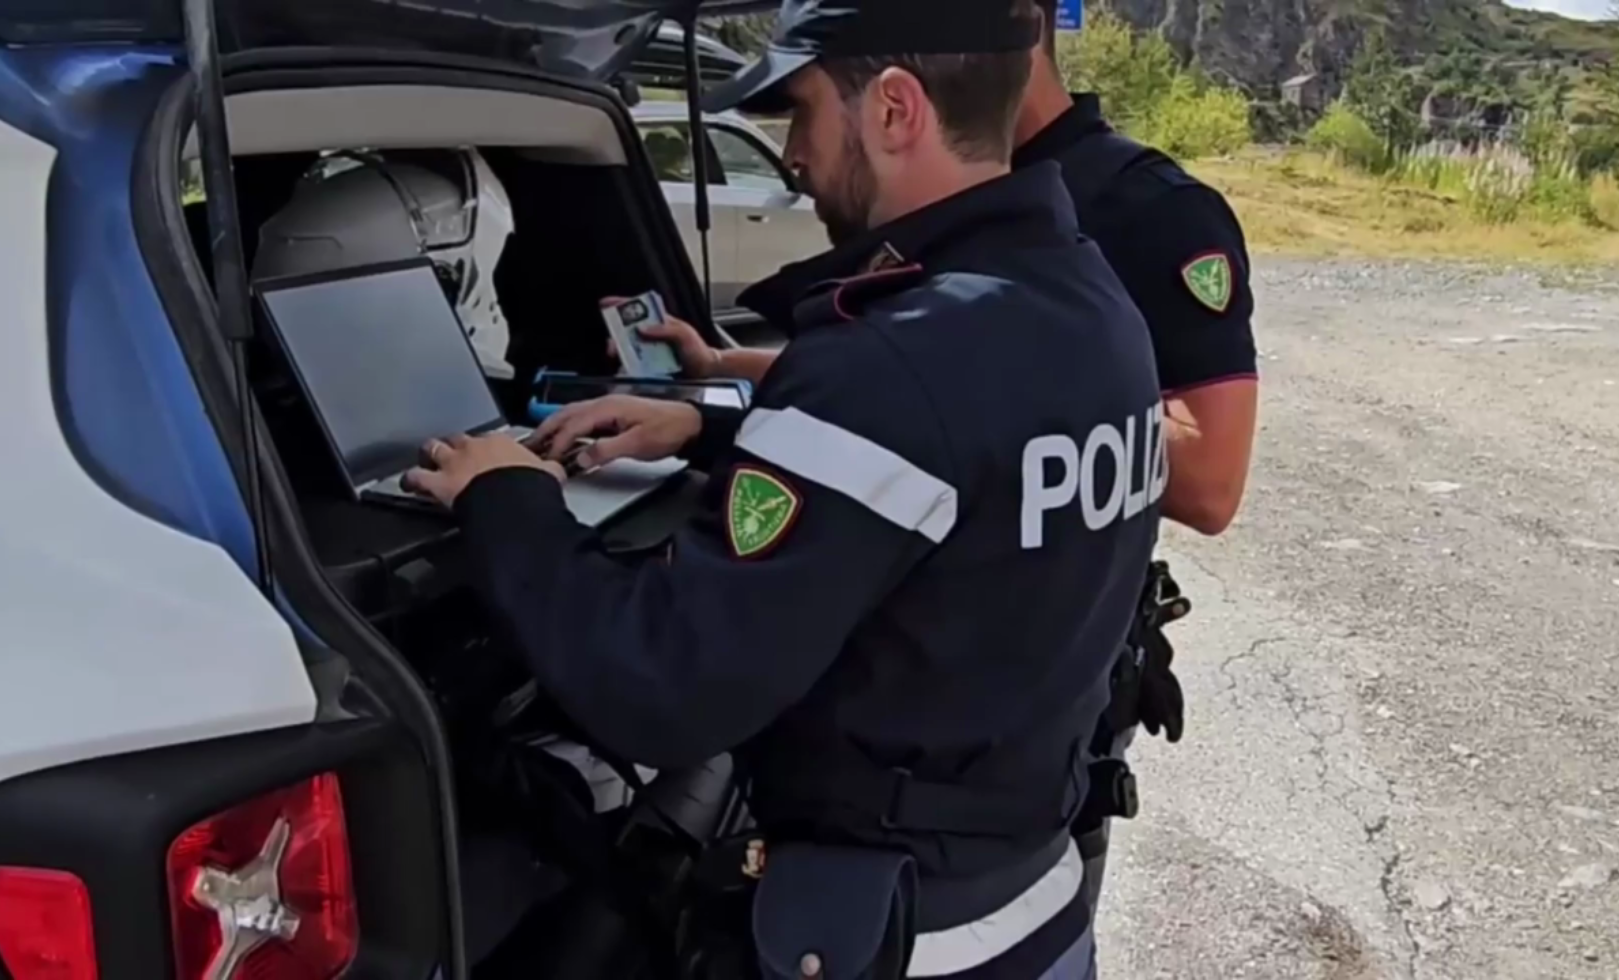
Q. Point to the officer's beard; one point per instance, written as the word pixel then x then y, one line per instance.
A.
pixel 844 203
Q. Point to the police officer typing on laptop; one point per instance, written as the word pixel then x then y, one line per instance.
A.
pixel 922 544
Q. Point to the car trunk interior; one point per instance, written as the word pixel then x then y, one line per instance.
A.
pixel 543 871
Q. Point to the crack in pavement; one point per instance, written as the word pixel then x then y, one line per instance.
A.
pixel 1396 651
pixel 1208 573
pixel 1247 654
pixel 1385 883
pixel 1296 703
pixel 1333 776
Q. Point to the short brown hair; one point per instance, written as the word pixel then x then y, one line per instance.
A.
pixel 976 95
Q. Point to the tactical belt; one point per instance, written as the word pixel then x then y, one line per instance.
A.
pixel 1111 793
pixel 942 903
pixel 897 799
pixel 1112 787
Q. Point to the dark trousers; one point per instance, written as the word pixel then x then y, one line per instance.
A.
pixel 1079 963
pixel 1094 841
pixel 1062 949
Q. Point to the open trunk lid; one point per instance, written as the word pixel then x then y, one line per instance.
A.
pixel 592 39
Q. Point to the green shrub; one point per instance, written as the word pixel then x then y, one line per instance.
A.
pixel 1560 194
pixel 1347 138
pixel 1596 149
pixel 1546 139
pixel 1189 123
pixel 1147 94
pixel 1130 72
pixel 1605 201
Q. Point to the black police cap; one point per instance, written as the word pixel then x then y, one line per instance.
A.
pixel 807 30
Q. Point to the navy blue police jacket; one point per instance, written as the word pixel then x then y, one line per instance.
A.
pixel 1173 240
pixel 919 553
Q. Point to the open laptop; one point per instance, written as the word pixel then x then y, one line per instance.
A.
pixel 385 364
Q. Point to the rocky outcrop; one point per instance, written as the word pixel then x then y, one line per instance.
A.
pixel 1257 44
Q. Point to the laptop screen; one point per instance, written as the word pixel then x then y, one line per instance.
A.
pixel 384 362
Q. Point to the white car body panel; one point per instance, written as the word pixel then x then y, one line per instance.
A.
pixel 774 228
pixel 722 237
pixel 755 231
pixel 117 633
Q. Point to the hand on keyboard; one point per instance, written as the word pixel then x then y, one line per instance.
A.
pixel 454 463
pixel 636 428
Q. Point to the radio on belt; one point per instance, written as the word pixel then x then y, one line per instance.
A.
pixel 641 357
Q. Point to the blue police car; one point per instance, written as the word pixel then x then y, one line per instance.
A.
pixel 251 723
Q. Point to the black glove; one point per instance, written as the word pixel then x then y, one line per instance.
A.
pixel 1162 706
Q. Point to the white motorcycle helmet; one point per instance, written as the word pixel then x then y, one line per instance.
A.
pixel 354 209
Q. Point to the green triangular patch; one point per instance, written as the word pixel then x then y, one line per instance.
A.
pixel 1209 278
pixel 759 510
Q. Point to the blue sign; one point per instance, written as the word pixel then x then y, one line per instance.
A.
pixel 1070 15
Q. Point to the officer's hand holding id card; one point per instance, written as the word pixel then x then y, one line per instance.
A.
pixel 641 356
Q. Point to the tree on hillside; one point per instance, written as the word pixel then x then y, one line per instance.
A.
pixel 1605 85
pixel 1456 73
pixel 1549 89
pixel 1384 94
pixel 1596 145
pixel 1147 93
pixel 1130 72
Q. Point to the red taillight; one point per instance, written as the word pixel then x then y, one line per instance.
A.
pixel 45 931
pixel 263 891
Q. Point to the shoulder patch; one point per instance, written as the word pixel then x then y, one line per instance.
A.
pixel 1208 277
pixel 760 508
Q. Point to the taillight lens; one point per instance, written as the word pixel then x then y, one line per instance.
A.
pixel 45 931
pixel 263 891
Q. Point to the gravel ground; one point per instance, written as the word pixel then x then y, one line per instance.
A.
pixel 1403 749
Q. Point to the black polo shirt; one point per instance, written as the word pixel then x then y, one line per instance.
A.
pixel 1172 240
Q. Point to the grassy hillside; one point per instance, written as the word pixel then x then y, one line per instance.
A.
pixel 1302 203
pixel 1481 48
pixel 1257 44
pixel 1372 174
pixel 1535 33
pixel 1525 56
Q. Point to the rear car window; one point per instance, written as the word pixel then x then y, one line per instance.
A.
pixel 670 150
pixel 53 21
pixel 746 163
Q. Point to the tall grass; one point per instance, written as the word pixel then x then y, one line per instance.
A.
pixel 1549 175
pixel 1304 202
pixel 1605 200
pixel 1498 182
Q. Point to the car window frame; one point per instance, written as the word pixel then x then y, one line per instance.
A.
pixel 771 157
pixel 716 174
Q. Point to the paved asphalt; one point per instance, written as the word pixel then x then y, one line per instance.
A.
pixel 1403 661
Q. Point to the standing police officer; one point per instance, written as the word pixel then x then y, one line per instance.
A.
pixel 1180 252
pixel 922 545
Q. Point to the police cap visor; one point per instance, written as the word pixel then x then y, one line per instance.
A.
pixel 808 30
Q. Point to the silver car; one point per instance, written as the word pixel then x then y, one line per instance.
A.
pixel 759 222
